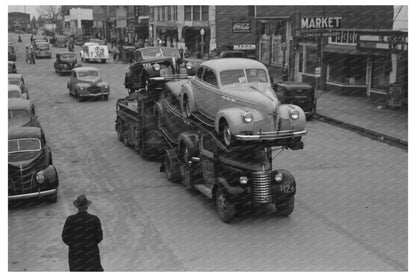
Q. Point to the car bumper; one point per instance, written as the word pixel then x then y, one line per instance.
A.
pixel 95 94
pixel 33 194
pixel 270 136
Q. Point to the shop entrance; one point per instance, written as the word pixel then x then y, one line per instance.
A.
pixel 192 37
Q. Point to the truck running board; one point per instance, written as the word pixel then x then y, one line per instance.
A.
pixel 204 190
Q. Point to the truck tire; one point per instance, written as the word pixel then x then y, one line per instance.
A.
pixel 225 210
pixel 172 172
pixel 285 207
pixel 119 129
pixel 226 136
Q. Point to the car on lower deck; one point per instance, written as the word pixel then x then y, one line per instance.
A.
pixel 31 173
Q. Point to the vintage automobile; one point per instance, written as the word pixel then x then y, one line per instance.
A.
pixel 14 91
pixel 127 54
pixel 167 110
pixel 12 67
pixel 152 62
pixel 65 62
pixel 21 113
pixel 17 79
pixel 11 53
pixel 235 97
pixel 86 82
pixel 60 41
pixel 42 50
pixel 79 40
pixel 300 94
pixel 92 51
pixel 31 173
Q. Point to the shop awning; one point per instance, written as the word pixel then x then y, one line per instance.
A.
pixel 350 50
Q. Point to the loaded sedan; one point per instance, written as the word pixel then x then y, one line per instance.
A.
pixel 86 82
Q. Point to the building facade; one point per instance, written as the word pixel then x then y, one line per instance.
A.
pixel 18 21
pixel 78 20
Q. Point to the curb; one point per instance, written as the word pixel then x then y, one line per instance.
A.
pixel 366 132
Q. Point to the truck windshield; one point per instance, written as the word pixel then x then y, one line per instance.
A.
pixel 249 75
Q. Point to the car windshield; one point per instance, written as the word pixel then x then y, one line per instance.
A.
pixel 11 67
pixel 249 75
pixel 23 149
pixel 68 57
pixel 159 52
pixel 90 73
pixel 42 45
pixel 11 49
pixel 14 94
pixel 18 114
pixel 14 82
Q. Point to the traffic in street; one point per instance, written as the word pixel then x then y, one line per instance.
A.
pixel 350 211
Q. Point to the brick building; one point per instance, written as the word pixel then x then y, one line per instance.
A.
pixel 18 21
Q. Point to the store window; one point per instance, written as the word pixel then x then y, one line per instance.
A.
pixel 347 69
pixel 277 30
pixel 163 13
pixel 169 13
pixel 380 74
pixel 312 60
pixel 196 13
pixel 188 15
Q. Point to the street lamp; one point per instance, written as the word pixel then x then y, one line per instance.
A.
pixel 151 34
pixel 202 42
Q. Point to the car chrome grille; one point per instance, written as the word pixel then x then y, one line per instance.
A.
pixel 94 90
pixel 261 188
pixel 23 178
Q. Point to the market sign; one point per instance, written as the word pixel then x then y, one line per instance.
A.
pixel 321 22
pixel 320 33
pixel 241 27
pixel 387 40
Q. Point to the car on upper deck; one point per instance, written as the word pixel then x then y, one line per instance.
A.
pixel 31 173
pixel 235 97
pixel 150 62
pixel 65 62
pixel 87 82
pixel 21 113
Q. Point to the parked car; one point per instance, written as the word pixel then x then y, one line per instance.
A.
pixel 17 79
pixel 301 94
pixel 22 113
pixel 12 67
pixel 11 53
pixel 15 92
pixel 60 41
pixel 235 97
pixel 31 173
pixel 65 62
pixel 42 50
pixel 86 82
pixel 152 62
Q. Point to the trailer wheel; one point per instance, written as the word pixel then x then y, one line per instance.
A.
pixel 225 210
pixel 171 174
pixel 285 207
pixel 225 132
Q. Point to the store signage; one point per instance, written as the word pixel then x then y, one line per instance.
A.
pixel 244 47
pixel 241 27
pixel 320 33
pixel 321 22
pixel 388 40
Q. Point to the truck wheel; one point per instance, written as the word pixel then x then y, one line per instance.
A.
pixel 186 107
pixel 171 174
pixel 226 135
pixel 225 210
pixel 285 207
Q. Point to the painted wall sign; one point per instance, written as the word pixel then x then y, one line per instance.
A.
pixel 241 27
pixel 321 22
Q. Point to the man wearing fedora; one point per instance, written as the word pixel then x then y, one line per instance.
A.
pixel 82 232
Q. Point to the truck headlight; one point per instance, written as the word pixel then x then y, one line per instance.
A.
pixel 188 66
pixel 243 180
pixel 294 114
pixel 278 177
pixel 248 117
pixel 156 67
pixel 40 177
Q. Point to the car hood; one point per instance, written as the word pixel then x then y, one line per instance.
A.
pixel 26 160
pixel 90 80
pixel 258 96
pixel 18 122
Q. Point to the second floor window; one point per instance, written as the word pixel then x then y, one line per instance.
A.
pixel 188 14
pixel 204 13
pixel 169 13
pixel 196 13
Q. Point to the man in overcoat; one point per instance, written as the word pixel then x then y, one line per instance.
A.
pixel 82 232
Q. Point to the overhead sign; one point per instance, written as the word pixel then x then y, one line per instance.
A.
pixel 388 40
pixel 320 33
pixel 321 22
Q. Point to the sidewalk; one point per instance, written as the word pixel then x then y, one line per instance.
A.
pixel 364 113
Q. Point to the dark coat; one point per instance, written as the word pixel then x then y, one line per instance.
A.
pixel 82 232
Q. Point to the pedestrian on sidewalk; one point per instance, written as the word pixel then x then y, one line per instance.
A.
pixel 32 55
pixel 115 54
pixel 82 233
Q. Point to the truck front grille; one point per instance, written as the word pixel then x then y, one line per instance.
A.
pixel 261 188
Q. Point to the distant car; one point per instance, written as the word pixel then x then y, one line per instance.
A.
pixel 65 62
pixel 15 92
pixel 152 62
pixel 234 96
pixel 86 82
pixel 19 32
pixel 12 67
pixel 79 40
pixel 31 173
pixel 42 50
pixel 22 113
pixel 92 51
pixel 301 94
pixel 11 53
pixel 60 42
pixel 17 79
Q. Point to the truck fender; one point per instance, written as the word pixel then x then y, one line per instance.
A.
pixel 170 154
pixel 234 118
pixel 284 189
pixel 286 123
pixel 231 190
pixel 190 140
pixel 187 92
